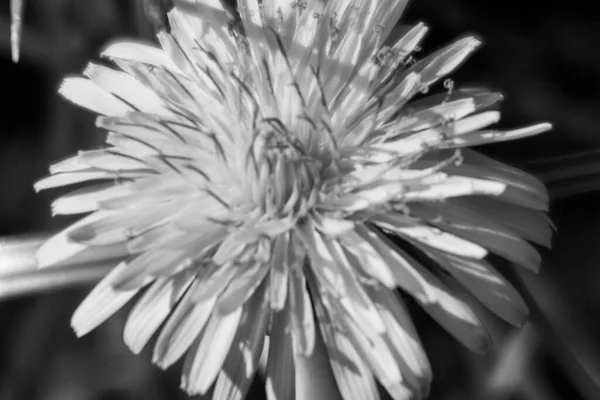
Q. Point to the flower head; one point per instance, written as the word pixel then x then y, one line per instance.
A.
pixel 272 161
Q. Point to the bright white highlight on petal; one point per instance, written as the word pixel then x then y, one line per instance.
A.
pixel 86 93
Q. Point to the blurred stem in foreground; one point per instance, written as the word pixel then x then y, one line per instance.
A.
pixel 20 276
pixel 16 13
pixel 153 11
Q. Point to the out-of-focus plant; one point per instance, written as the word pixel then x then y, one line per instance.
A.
pixel 16 14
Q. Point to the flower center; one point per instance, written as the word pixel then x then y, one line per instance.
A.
pixel 287 180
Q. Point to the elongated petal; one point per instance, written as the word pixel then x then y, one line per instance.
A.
pixel 403 338
pixel 87 199
pixel 241 288
pixel 279 273
pixel 152 309
pixel 280 377
pixel 240 365
pixel 532 225
pixel 204 361
pixel 456 317
pixel 485 137
pixel 61 250
pixel 370 259
pixel 356 302
pixel 102 302
pixel 302 320
pixel 452 313
pixel 126 88
pixel 182 328
pixel 480 228
pixel 354 378
pixel 86 93
pixel 369 345
pixel 91 174
pixel 522 188
pixel 444 61
pixel 488 286
pixel 139 52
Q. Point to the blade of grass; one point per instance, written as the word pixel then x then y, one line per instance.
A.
pixel 568 175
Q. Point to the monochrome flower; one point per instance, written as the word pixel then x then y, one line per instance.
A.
pixel 279 169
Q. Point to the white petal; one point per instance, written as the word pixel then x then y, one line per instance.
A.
pixel 61 250
pixel 303 323
pixel 324 264
pixel 86 93
pixel 532 225
pixel 456 316
pixel 282 17
pixel 475 122
pixel 488 286
pixel 431 117
pixel 485 137
pixel 182 328
pixel 102 302
pixel 147 264
pixel 240 365
pixel 433 237
pixel 521 188
pixel 332 226
pixel 241 288
pixel 481 98
pixel 370 346
pixel 212 11
pixel 280 269
pixel 203 363
pixel 353 376
pixel 121 225
pixel 403 338
pixel 379 255
pixel 368 259
pixel 456 186
pixel 482 229
pixel 112 160
pixel 91 174
pixel 216 278
pixel 87 199
pixel 355 300
pixel 152 309
pixel 446 60
pixel 250 14
pixel 126 88
pixel 280 378
pixel 139 52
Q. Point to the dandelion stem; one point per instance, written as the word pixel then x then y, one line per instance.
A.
pixel 19 274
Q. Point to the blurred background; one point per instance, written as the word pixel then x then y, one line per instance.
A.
pixel 542 56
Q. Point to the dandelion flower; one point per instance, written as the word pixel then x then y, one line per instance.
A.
pixel 269 173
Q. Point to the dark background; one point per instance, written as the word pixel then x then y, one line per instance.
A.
pixel 542 55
